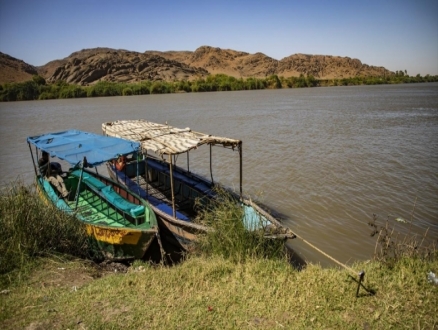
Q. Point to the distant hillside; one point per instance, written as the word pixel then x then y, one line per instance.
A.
pixel 89 66
pixel 258 65
pixel 14 70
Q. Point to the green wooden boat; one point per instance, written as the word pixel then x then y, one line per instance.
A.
pixel 122 223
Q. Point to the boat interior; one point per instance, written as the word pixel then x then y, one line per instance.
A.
pixel 101 201
pixel 189 189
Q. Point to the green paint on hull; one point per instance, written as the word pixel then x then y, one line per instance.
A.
pixel 118 235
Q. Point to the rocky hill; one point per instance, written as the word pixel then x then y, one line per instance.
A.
pixel 14 70
pixel 89 66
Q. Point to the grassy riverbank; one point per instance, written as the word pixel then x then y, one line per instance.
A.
pixel 214 293
pixel 50 289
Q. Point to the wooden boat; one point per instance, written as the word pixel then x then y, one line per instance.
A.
pixel 121 222
pixel 171 190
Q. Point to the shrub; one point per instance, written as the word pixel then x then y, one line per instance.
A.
pixel 39 80
pixel 183 86
pixel 392 247
pixel 127 91
pixel 106 88
pixel 71 92
pixel 273 81
pixel 141 89
pixel 30 228
pixel 25 91
pixel 229 236
pixel 46 96
pixel 158 88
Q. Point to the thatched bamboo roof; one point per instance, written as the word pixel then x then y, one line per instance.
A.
pixel 163 139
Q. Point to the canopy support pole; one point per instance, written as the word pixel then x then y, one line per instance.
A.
pixel 211 165
pixel 188 162
pixel 145 157
pixel 241 169
pixel 78 189
pixel 137 176
pixel 171 185
pixel 33 160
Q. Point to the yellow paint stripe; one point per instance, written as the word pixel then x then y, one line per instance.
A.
pixel 114 236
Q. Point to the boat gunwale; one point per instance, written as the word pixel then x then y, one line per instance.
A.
pixel 165 215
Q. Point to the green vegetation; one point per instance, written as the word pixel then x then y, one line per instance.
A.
pixel 396 79
pixel 229 237
pixel 31 229
pixel 391 247
pixel 215 293
pixel 215 289
pixel 37 89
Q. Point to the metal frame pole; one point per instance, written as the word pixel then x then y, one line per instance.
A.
pixel 171 186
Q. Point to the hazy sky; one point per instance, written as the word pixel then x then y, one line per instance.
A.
pixel 396 34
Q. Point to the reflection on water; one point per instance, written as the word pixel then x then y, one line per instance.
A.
pixel 327 158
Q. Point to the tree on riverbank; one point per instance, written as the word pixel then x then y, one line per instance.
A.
pixel 37 89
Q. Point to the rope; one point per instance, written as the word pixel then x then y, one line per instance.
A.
pixel 328 256
pixel 351 270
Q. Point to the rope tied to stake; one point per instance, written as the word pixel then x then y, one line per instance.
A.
pixel 360 274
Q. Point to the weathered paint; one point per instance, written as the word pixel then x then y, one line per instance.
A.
pixel 184 237
pixel 126 251
pixel 114 235
pixel 114 243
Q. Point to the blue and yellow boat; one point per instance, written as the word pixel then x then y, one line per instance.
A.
pixel 121 222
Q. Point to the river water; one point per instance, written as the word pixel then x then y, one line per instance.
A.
pixel 326 158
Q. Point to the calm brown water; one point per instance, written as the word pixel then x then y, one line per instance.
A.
pixel 327 158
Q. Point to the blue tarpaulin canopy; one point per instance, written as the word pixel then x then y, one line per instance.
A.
pixel 73 145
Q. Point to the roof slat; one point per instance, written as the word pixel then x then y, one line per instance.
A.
pixel 163 139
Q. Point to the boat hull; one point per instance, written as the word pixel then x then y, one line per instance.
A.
pixel 177 232
pixel 120 244
pixel 180 227
pixel 114 243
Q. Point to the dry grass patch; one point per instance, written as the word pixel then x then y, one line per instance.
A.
pixel 215 293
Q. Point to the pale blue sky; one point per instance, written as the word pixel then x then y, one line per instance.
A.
pixel 396 34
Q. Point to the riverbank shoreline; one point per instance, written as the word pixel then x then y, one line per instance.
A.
pixel 48 280
pixel 217 294
pixel 37 89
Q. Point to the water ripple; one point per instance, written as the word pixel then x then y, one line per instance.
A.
pixel 327 158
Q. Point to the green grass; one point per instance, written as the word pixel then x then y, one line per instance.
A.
pixel 229 238
pixel 30 229
pixel 215 289
pixel 215 293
